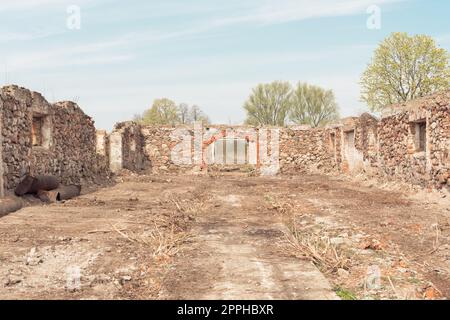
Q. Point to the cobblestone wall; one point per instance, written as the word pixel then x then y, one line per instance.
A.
pixel 401 154
pixel 411 142
pixel 304 150
pixel 126 145
pixel 388 147
pixel 43 138
pixel 159 143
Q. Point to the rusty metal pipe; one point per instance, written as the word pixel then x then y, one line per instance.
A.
pixel 47 196
pixel 24 186
pixel 60 194
pixel 31 184
pixel 9 205
pixel 46 183
pixel 68 192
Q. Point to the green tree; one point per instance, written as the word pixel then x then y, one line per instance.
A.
pixel 269 104
pixel 404 68
pixel 313 105
pixel 163 112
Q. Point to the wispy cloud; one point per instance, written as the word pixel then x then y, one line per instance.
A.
pixel 12 36
pixel 80 55
pixel 267 12
pixel 281 11
pixel 9 5
pixel 16 5
pixel 6 36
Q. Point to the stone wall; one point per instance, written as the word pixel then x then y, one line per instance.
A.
pixel 411 143
pixel 194 148
pixel 366 137
pixel 102 149
pixel 384 147
pixel 356 143
pixel 174 149
pixel 390 147
pixel 158 145
pixel 400 154
pixel 126 145
pixel 43 138
pixel 305 150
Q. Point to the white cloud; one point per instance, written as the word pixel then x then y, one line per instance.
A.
pixel 12 36
pixel 17 5
pixel 9 5
pixel 281 11
pixel 6 36
pixel 85 54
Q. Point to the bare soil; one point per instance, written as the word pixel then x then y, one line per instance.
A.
pixel 229 236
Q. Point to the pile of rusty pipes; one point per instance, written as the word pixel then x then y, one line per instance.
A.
pixel 47 189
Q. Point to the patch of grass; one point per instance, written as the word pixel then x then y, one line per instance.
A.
pixel 282 206
pixel 268 198
pixel 317 247
pixel 247 168
pixel 344 294
pixel 414 280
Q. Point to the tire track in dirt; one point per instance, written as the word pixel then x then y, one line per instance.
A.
pixel 236 254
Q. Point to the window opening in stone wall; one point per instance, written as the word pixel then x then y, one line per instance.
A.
pixel 421 136
pixel 41 131
pixel 36 131
pixel 133 144
pixel 333 141
pixel 350 146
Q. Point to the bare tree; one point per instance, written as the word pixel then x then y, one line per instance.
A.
pixel 183 113
pixel 166 112
pixel 196 114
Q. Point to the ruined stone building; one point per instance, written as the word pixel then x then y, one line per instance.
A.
pixel 42 138
pixel 410 143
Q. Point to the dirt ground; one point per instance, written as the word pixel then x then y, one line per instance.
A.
pixel 229 236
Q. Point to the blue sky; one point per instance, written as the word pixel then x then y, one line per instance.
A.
pixel 205 52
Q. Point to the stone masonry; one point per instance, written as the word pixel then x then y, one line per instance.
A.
pixel 410 143
pixel 414 141
pixel 125 147
pixel 43 138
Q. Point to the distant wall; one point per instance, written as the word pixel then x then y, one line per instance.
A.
pixel 411 143
pixel 125 147
pixel 304 150
pixel 158 146
pixel 230 146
